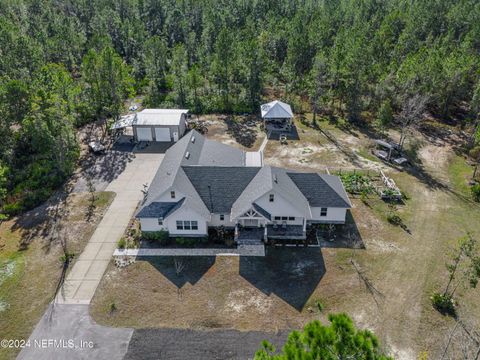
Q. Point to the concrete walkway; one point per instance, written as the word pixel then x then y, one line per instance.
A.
pixel 264 143
pixel 68 332
pixel 88 270
pixel 242 250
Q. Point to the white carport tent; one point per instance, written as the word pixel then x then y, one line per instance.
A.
pixel 161 125
pixel 276 110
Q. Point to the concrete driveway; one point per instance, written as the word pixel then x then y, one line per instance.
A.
pixel 68 318
pixel 88 270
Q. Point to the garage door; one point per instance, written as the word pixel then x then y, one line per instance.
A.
pixel 144 134
pixel 162 134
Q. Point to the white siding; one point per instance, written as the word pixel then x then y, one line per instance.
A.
pixel 166 196
pixel 151 224
pixel 189 215
pixel 279 207
pixel 215 221
pixel 333 215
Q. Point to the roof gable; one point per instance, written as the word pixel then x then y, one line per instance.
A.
pixel 276 110
pixel 219 186
pixel 321 190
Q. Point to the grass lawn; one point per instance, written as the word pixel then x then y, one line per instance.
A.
pixel 402 266
pixel 460 174
pixel 28 278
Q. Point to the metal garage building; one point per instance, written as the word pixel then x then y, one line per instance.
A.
pixel 161 125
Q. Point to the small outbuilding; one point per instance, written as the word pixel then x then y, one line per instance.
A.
pixel 277 116
pixel 160 125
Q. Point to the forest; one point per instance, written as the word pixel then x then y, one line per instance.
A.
pixel 65 63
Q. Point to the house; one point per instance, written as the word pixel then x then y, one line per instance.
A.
pixel 160 125
pixel 202 183
pixel 277 116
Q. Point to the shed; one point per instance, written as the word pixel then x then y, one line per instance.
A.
pixel 277 115
pixel 160 125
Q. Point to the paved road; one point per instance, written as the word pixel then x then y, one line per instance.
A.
pixel 64 323
pixel 88 270
pixel 68 318
pixel 176 344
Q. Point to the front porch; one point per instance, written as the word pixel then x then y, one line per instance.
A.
pixel 255 235
pixel 286 232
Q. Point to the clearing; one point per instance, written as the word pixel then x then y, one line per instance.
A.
pixel 281 291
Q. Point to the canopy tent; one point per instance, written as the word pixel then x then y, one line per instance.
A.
pixel 125 121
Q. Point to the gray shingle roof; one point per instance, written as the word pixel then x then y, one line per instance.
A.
pixel 321 190
pixel 160 209
pixel 219 186
pixel 262 211
pixel 201 151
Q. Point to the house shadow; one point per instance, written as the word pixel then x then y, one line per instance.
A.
pixel 291 135
pixel 345 236
pixel 292 274
pixel 180 270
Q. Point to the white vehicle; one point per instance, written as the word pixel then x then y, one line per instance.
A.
pixel 133 108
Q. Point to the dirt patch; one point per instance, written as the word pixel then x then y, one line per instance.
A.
pixel 29 277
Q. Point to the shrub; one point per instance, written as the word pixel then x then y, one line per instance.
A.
pixel 186 241
pixel 444 303
pixel 122 243
pixel 66 258
pixel 157 236
pixel 476 192
pixel 319 305
pixel 394 219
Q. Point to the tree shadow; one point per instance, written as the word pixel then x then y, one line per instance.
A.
pixel 292 274
pixel 244 132
pixel 104 168
pixel 180 270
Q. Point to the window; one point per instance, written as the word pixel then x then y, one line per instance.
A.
pixel 222 217
pixel 160 221
pixel 284 218
pixel 291 218
pixel 187 225
pixel 277 217
pixel 272 197
pixel 323 211
pixel 172 194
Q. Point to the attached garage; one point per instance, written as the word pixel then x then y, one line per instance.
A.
pixel 159 125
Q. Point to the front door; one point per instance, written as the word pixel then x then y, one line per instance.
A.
pixel 251 222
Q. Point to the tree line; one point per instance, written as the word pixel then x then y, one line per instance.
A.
pixel 65 63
